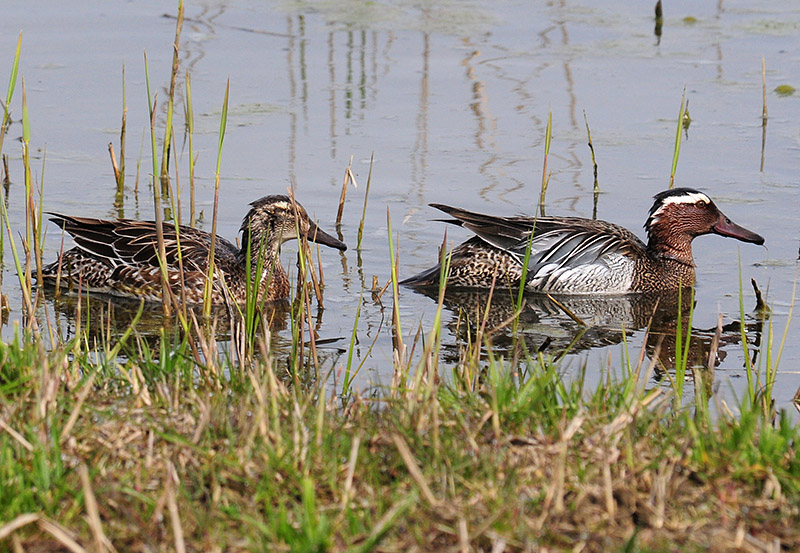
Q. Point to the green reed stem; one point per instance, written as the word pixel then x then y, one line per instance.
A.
pixel 120 171
pixel 12 83
pixel 688 336
pixel 434 342
pixel 26 291
pixel 596 185
pixel 347 378
pixel 677 140
pixel 121 340
pixel 777 360
pixel 751 391
pixel 162 254
pixel 189 111
pixel 523 279
pixel 123 132
pixel 175 209
pixel 395 291
pixel 38 230
pixel 680 369
pixel 210 280
pixel 682 343
pixel 30 210
pixel 253 287
pixel 171 98
pixel 545 177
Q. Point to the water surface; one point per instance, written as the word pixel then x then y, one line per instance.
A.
pixel 453 99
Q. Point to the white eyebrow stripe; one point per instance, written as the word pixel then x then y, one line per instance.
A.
pixel 690 198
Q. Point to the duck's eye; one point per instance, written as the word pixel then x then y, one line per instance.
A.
pixel 701 203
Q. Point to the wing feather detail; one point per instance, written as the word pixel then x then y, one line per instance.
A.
pixel 565 252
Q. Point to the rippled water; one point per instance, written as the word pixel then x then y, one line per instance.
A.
pixel 453 99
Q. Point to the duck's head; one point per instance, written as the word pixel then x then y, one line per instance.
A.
pixel 278 219
pixel 680 214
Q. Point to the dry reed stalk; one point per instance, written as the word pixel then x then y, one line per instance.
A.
pixel 306 247
pixel 413 469
pixel 567 311
pixel 377 293
pixel 60 534
pixel 117 173
pixel 763 110
pixel 596 185
pixel 312 334
pixel 658 495
pixel 73 416
pixel 114 165
pixel 172 506
pixel 16 435
pixel 138 169
pixel 351 470
pixel 463 535
pixel 101 541
pixel 348 177
pixel 319 267
pixel 482 327
pixel 259 390
pixel 366 197
pixel 19 522
pixel 712 351
pixel 560 477
pixel 608 489
pixel 143 395
pixel 764 89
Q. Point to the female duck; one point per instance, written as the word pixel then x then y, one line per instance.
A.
pixel 120 257
pixel 571 255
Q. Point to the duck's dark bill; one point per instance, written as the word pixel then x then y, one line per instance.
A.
pixel 726 227
pixel 316 234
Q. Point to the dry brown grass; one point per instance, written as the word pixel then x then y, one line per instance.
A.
pixel 173 464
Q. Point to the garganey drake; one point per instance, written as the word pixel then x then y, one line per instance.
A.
pixel 572 255
pixel 120 257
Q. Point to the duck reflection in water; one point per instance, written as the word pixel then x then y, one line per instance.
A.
pixel 102 316
pixel 570 324
pixel 105 320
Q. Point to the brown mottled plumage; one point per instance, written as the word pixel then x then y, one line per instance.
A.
pixel 120 257
pixel 571 255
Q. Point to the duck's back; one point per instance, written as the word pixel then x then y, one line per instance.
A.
pixel 568 255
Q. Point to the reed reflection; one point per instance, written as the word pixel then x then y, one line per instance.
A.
pixel 557 326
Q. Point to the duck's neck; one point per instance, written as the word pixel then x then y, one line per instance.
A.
pixel 265 265
pixel 669 246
